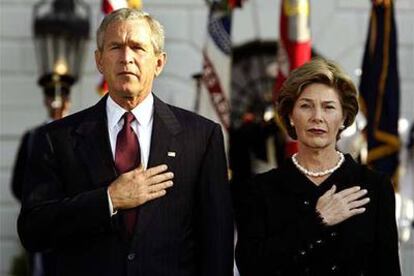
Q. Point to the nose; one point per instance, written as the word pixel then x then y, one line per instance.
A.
pixel 126 56
pixel 317 114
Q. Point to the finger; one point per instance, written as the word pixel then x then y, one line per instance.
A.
pixel 155 195
pixel 356 195
pixel 160 178
pixel 356 211
pixel 155 170
pixel 161 186
pixel 348 191
pixel 358 203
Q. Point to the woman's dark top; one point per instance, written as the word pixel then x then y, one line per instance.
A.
pixel 280 233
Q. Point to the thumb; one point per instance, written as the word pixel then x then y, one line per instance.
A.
pixel 331 191
pixel 139 169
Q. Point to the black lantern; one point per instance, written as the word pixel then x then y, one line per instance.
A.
pixel 61 30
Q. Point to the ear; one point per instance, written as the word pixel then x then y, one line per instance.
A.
pixel 343 121
pixel 98 61
pixel 161 61
pixel 291 123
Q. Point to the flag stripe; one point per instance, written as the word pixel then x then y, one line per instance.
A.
pixel 294 47
pixel 379 89
pixel 216 66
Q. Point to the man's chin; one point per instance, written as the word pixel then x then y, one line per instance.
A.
pixel 127 92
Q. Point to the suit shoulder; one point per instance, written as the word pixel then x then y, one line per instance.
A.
pixel 270 174
pixel 69 121
pixel 192 119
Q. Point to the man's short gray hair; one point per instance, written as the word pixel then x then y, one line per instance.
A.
pixel 126 14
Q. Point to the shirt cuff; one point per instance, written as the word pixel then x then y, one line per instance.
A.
pixel 112 212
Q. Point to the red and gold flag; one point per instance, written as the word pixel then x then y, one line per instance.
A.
pixel 294 45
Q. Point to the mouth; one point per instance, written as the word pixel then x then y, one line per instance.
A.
pixel 126 73
pixel 317 131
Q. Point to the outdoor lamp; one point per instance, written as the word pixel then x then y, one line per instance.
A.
pixel 61 31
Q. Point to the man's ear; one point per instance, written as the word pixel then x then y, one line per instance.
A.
pixel 161 61
pixel 98 61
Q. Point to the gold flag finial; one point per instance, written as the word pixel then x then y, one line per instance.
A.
pixel 135 4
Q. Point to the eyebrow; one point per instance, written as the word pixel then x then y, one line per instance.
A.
pixel 130 42
pixel 115 43
pixel 310 100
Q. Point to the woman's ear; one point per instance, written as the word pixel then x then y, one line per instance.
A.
pixel 342 124
pixel 291 121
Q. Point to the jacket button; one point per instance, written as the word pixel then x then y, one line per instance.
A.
pixel 306 203
pixel 131 256
pixel 318 241
pixel 302 253
pixel 334 234
pixel 334 268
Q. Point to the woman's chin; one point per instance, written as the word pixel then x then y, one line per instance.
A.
pixel 317 145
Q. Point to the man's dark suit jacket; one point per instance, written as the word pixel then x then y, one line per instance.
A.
pixel 187 232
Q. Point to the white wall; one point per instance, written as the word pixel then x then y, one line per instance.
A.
pixel 338 27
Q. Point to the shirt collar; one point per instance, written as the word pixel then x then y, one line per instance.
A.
pixel 142 112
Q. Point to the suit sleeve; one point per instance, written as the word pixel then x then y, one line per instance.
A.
pixel 386 253
pixel 216 218
pixel 19 167
pixel 260 252
pixel 49 217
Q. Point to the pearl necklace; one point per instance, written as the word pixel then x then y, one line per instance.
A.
pixel 322 173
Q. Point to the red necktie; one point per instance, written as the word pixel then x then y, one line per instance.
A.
pixel 127 157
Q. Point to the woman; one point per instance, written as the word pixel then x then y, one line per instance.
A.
pixel 319 213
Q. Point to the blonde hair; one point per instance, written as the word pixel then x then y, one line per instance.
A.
pixel 322 71
pixel 126 14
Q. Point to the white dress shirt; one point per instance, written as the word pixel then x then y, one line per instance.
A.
pixel 142 127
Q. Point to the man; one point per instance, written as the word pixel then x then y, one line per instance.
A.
pixel 165 209
pixel 57 106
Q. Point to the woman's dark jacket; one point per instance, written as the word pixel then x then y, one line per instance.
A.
pixel 280 233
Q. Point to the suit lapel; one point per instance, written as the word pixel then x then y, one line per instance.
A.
pixel 93 145
pixel 165 128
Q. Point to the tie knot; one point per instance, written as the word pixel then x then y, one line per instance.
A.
pixel 129 117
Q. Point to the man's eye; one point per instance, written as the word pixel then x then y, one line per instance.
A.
pixel 137 47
